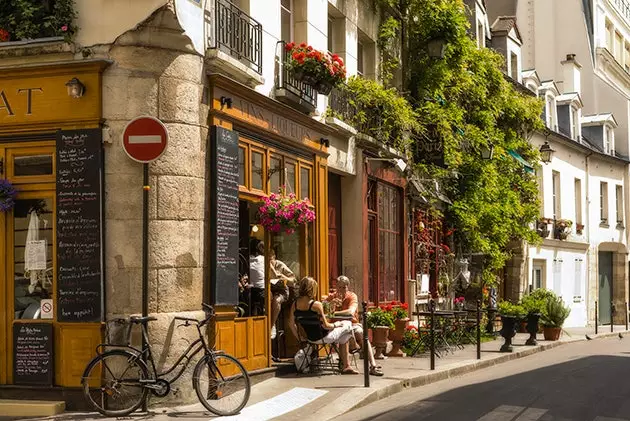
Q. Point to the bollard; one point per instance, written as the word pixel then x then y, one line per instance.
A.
pixel 478 329
pixel 432 332
pixel 612 317
pixel 366 358
pixel 596 321
pixel 626 307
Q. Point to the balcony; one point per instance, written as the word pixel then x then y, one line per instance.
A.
pixel 290 90
pixel 623 6
pixel 236 40
pixel 340 111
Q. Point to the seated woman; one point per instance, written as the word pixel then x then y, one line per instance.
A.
pixel 306 307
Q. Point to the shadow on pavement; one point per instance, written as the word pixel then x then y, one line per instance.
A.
pixel 578 390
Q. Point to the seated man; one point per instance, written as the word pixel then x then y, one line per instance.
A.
pixel 281 280
pixel 346 302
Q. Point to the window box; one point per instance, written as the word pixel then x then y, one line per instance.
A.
pixel 23 21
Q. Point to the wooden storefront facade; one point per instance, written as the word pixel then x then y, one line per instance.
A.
pixel 51 152
pixel 278 146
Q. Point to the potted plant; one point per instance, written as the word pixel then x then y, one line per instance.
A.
pixel 458 303
pixel 579 229
pixel 401 320
pixel 510 315
pixel 316 68
pixel 380 322
pixel 542 227
pixel 282 212
pixel 533 305
pixel 553 318
pixel 562 229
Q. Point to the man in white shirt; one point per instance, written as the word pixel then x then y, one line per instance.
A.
pixel 257 277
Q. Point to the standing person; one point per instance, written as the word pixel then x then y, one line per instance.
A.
pixel 281 280
pixel 339 332
pixel 257 276
pixel 346 303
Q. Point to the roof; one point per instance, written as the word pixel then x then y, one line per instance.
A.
pixel 598 119
pixel 504 24
pixel 546 85
pixel 569 98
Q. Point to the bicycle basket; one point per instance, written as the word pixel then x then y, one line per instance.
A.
pixel 117 332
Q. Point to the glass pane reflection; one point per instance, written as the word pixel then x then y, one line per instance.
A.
pixel 33 165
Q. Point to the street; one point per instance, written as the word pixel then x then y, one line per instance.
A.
pixel 580 381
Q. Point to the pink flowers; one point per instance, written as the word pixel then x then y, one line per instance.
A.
pixel 64 28
pixel 458 300
pixel 281 212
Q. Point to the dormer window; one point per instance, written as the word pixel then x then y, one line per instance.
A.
pixel 599 131
pixel 548 92
pixel 575 123
pixel 569 112
pixel 609 140
pixel 550 111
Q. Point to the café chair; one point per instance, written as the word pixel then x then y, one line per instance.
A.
pixel 316 342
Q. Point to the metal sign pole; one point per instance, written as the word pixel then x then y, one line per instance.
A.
pixel 366 361
pixel 145 258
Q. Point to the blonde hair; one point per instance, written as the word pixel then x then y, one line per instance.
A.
pixel 343 281
pixel 308 287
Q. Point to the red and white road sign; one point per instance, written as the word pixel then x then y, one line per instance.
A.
pixel 145 139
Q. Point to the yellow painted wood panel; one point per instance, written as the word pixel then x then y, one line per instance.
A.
pixel 77 343
pixel 241 343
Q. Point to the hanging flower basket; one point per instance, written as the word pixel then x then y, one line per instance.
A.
pixel 282 212
pixel 7 195
pixel 317 68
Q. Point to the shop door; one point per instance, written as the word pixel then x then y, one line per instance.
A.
pixel 605 287
pixel 27 243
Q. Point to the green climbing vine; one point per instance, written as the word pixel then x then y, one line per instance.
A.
pixel 464 101
pixel 28 19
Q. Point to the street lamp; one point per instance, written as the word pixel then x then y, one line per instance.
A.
pixel 487 152
pixel 436 48
pixel 76 89
pixel 546 153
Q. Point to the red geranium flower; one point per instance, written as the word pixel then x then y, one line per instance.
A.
pixel 4 35
pixel 405 306
pixel 388 307
pixel 303 45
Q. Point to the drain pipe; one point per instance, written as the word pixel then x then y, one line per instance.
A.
pixel 587 225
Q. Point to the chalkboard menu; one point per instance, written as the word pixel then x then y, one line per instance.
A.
pixel 33 353
pixel 79 228
pixel 224 215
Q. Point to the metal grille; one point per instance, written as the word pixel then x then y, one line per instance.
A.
pixel 285 80
pixel 624 7
pixel 339 102
pixel 236 33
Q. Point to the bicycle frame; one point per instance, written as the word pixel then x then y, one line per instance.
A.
pixel 147 354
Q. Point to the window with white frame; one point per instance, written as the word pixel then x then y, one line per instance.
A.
pixel 286 20
pixel 575 123
pixel 555 193
pixel 538 275
pixel 331 34
pixel 619 47
pixel 609 140
pixel 610 37
pixel 627 58
pixel 481 35
pixel 513 66
pixel 360 58
pixel 603 202
pixel 578 201
pixel 550 110
pixel 619 204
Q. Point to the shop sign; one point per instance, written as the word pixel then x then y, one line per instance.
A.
pixel 46 308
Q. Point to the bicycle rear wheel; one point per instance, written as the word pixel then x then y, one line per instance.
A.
pixel 112 383
pixel 222 384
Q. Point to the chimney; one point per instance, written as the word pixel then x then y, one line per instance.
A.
pixel 571 74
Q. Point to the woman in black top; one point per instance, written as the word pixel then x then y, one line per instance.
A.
pixel 306 309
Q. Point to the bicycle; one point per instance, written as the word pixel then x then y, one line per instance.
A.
pixel 117 382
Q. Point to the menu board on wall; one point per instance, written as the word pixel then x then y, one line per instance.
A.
pixel 33 353
pixel 79 226
pixel 224 215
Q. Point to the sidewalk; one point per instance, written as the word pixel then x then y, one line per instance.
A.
pixel 324 397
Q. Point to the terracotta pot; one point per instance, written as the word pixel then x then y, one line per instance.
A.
pixel 396 336
pixel 552 333
pixel 379 335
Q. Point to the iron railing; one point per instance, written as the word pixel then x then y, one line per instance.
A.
pixel 339 103
pixel 236 33
pixel 624 7
pixel 286 81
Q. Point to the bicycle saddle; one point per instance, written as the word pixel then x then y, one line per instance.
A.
pixel 135 319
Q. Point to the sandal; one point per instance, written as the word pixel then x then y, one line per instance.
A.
pixel 354 346
pixel 376 371
pixel 349 371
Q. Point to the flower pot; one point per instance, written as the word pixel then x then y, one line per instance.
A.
pixel 508 330
pixel 308 78
pixel 552 333
pixel 379 340
pixel 323 88
pixel 396 336
pixel 532 328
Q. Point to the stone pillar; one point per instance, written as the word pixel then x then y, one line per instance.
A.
pixel 620 286
pixel 353 233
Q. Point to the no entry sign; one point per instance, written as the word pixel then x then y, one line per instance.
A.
pixel 145 139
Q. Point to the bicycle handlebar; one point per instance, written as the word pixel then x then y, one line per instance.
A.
pixel 209 314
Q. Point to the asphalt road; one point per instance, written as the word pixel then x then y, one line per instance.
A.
pixel 584 381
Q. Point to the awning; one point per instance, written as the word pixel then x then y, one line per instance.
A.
pixel 528 167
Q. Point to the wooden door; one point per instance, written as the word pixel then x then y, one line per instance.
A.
pixel 605 287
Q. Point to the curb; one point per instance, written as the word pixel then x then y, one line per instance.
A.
pixel 434 377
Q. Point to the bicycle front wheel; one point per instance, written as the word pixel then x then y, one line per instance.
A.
pixel 222 384
pixel 112 383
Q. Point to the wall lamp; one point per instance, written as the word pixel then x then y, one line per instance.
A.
pixel 76 89
pixel 487 152
pixel 324 141
pixel 436 48
pixel 399 163
pixel 226 101
pixel 546 153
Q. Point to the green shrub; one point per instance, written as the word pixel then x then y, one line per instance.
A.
pixel 555 312
pixel 507 309
pixel 532 304
pixel 379 317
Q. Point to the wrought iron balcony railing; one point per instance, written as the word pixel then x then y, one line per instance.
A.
pixel 236 33
pixel 624 7
pixel 290 89
pixel 339 103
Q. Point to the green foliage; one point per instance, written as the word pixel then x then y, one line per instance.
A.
pixel 387 37
pixel 466 102
pixel 378 317
pixel 381 112
pixel 30 19
pixel 555 312
pixel 507 309
pixel 533 305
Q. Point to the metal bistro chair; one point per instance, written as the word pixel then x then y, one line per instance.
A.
pixel 316 341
